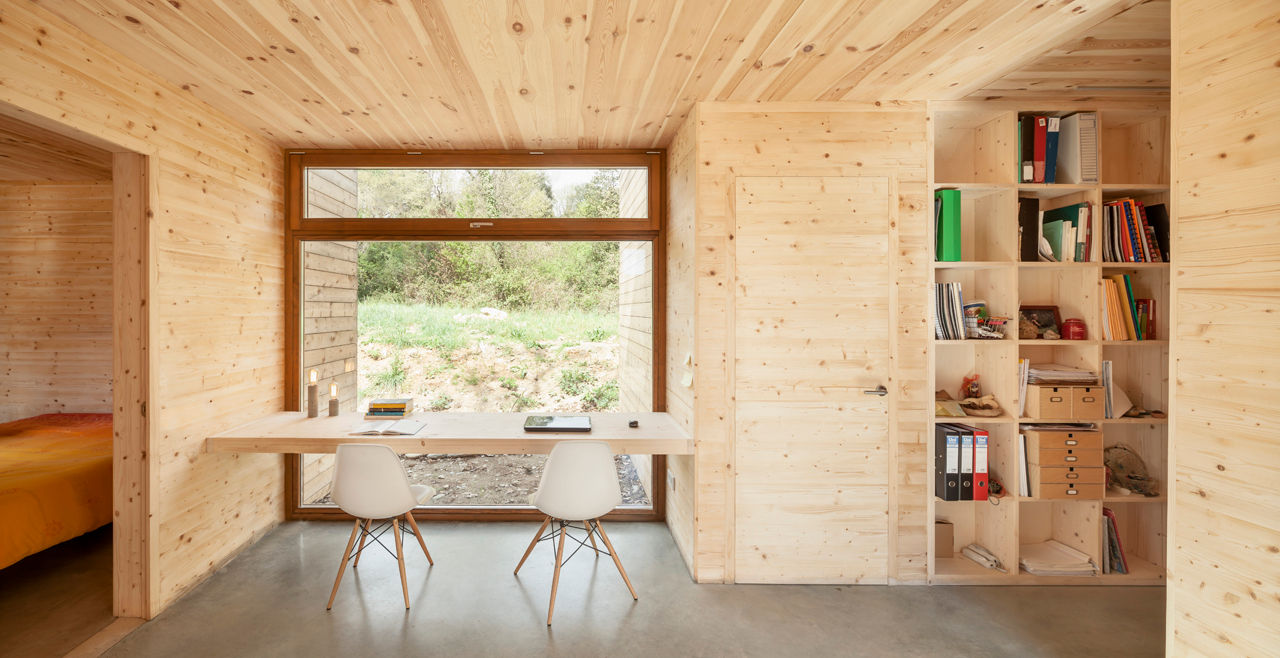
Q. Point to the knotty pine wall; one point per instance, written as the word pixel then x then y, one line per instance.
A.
pixel 217 331
pixel 721 142
pixel 680 310
pixel 1224 510
pixel 55 298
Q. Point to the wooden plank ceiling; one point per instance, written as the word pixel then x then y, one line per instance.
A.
pixel 1124 57
pixel 28 153
pixel 469 74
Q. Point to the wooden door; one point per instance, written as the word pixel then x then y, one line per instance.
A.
pixel 811 317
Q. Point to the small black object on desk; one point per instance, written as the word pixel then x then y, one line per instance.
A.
pixel 634 423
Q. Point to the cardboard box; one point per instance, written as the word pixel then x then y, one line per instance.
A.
pixel 944 538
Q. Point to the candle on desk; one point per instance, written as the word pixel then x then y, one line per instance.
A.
pixel 313 396
pixel 333 399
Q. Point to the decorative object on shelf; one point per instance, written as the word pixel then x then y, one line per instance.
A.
pixel 985 406
pixel 969 388
pixel 1073 329
pixel 980 324
pixel 1039 322
pixel 333 399
pixel 945 406
pixel 1127 472
pixel 313 396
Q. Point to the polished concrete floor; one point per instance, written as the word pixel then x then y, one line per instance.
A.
pixel 54 600
pixel 270 601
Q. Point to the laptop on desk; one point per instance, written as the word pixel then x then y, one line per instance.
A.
pixel 557 424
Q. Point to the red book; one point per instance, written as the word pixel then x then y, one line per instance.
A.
pixel 1037 163
pixel 1088 233
pixel 980 439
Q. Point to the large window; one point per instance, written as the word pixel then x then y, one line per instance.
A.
pixel 373 193
pixel 401 292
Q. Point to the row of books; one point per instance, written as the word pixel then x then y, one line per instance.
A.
pixel 948 311
pixel 960 462
pixel 1065 235
pixel 1058 149
pixel 389 408
pixel 1134 233
pixel 1126 317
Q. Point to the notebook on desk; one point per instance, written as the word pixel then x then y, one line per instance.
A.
pixel 557 424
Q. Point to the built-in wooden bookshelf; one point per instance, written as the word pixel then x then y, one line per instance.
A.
pixel 974 150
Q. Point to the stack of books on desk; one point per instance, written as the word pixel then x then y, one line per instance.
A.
pixel 389 409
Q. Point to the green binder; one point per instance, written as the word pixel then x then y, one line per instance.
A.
pixel 946 210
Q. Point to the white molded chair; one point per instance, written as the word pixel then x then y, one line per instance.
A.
pixel 370 484
pixel 579 483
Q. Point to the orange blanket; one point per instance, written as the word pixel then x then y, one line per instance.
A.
pixel 55 481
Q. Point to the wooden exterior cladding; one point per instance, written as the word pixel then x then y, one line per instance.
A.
pixel 213 318
pixel 1224 520
pixel 329 328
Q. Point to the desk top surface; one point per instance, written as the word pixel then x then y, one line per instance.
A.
pixel 454 433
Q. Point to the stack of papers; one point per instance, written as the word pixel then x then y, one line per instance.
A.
pixel 1053 558
pixel 1056 373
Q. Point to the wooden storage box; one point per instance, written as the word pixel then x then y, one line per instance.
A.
pixel 1065 402
pixel 1088 402
pixel 1049 401
pixel 1067 482
pixel 1066 465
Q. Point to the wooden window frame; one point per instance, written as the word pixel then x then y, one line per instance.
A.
pixel 299 229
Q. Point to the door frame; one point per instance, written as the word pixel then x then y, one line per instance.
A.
pixel 134 553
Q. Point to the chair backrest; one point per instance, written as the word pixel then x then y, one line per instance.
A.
pixel 579 481
pixel 370 483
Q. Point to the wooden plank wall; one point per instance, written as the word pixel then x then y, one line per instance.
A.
pixel 681 257
pixel 805 139
pixel 1224 525
pixel 55 298
pixel 219 333
pixel 635 311
pixel 330 332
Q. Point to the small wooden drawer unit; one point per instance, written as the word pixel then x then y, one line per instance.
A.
pixel 1066 464
pixel 1065 401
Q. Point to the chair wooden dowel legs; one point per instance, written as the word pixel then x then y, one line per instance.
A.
pixel 536 537
pixel 363 535
pixel 343 565
pixel 555 579
pixel 616 561
pixel 418 533
pixel 592 537
pixel 404 582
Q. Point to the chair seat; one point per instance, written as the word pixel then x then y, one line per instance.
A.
pixel 422 493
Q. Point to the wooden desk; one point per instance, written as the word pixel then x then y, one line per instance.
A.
pixel 453 433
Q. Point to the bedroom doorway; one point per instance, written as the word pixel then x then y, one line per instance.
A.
pixel 75 263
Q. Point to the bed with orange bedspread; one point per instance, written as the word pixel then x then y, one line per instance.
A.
pixel 55 481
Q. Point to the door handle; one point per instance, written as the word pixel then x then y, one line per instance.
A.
pixel 879 390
